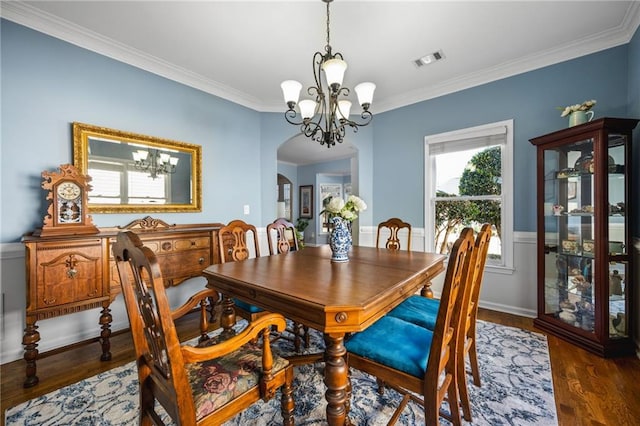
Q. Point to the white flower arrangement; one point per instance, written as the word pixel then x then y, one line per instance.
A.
pixel 585 106
pixel 347 210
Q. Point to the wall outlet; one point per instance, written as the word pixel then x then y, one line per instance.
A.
pixel 247 210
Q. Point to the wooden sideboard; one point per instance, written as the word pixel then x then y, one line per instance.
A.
pixel 67 274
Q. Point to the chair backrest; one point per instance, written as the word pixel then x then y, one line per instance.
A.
pixel 394 225
pixel 442 358
pixel 156 343
pixel 232 241
pixel 281 236
pixel 481 248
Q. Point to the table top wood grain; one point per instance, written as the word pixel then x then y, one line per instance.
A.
pixel 307 287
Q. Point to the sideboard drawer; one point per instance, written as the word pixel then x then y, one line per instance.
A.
pixel 181 265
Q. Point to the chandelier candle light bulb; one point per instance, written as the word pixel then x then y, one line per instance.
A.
pixel 325 118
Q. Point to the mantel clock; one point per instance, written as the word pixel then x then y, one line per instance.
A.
pixel 67 213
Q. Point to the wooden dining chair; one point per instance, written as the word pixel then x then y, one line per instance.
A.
pixel 179 377
pixel 281 236
pixel 282 239
pixel 420 363
pixel 423 312
pixel 234 247
pixel 393 227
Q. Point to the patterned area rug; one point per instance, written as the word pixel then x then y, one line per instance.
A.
pixel 516 390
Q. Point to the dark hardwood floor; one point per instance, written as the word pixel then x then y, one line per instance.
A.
pixel 589 390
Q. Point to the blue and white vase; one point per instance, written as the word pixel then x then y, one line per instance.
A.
pixel 340 240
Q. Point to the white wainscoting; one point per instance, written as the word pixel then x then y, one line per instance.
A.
pixel 513 291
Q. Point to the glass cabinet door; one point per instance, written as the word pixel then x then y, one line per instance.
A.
pixel 569 193
pixel 617 233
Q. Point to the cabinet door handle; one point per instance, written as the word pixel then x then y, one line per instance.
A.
pixel 201 260
pixel 71 273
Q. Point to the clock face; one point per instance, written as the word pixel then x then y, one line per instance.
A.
pixel 68 191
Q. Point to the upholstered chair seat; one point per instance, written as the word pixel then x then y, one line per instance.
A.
pixel 396 343
pixel 216 382
pixel 418 310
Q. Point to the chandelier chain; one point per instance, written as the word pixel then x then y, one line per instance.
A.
pixel 328 46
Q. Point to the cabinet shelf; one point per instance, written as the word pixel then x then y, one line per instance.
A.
pixel 585 291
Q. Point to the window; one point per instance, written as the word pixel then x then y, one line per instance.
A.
pixel 108 184
pixel 143 189
pixel 468 182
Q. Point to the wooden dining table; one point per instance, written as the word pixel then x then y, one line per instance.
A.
pixel 334 298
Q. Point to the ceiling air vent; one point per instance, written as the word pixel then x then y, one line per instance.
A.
pixel 429 59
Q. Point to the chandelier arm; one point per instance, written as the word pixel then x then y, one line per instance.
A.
pixel 289 115
pixel 344 91
pixel 318 59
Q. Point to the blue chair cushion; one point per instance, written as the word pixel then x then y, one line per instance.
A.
pixel 247 307
pixel 418 310
pixel 395 343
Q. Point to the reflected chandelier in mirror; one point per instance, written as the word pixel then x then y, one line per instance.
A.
pixel 133 173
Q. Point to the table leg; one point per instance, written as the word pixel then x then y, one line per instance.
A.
pixel 336 379
pixel 227 317
pixel 426 290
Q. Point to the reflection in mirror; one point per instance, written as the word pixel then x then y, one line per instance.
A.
pixel 134 173
pixel 285 192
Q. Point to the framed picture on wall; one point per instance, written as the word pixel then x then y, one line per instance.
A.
pixel 306 201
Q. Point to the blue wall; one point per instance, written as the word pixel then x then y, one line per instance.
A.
pixel 530 99
pixel 47 84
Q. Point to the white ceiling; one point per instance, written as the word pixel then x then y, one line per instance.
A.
pixel 243 50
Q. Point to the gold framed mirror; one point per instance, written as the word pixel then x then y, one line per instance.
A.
pixel 133 173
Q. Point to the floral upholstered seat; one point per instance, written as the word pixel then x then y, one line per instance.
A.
pixel 217 381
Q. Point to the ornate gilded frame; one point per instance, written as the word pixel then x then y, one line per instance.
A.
pixel 83 132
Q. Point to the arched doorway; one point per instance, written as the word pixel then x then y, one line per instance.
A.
pixel 309 159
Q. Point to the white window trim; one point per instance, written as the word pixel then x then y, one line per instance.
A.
pixel 507 183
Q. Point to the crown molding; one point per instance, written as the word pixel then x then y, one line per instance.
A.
pixel 46 23
pixel 54 26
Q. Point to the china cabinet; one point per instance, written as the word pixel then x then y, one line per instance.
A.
pixel 584 235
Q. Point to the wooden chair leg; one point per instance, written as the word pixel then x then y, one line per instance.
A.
pixel 464 393
pixel 297 336
pixel 473 360
pixel 307 336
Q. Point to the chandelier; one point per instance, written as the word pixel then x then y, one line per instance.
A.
pixel 325 118
pixel 155 162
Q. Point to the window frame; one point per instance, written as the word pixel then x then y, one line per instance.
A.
pixel 125 169
pixel 464 139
